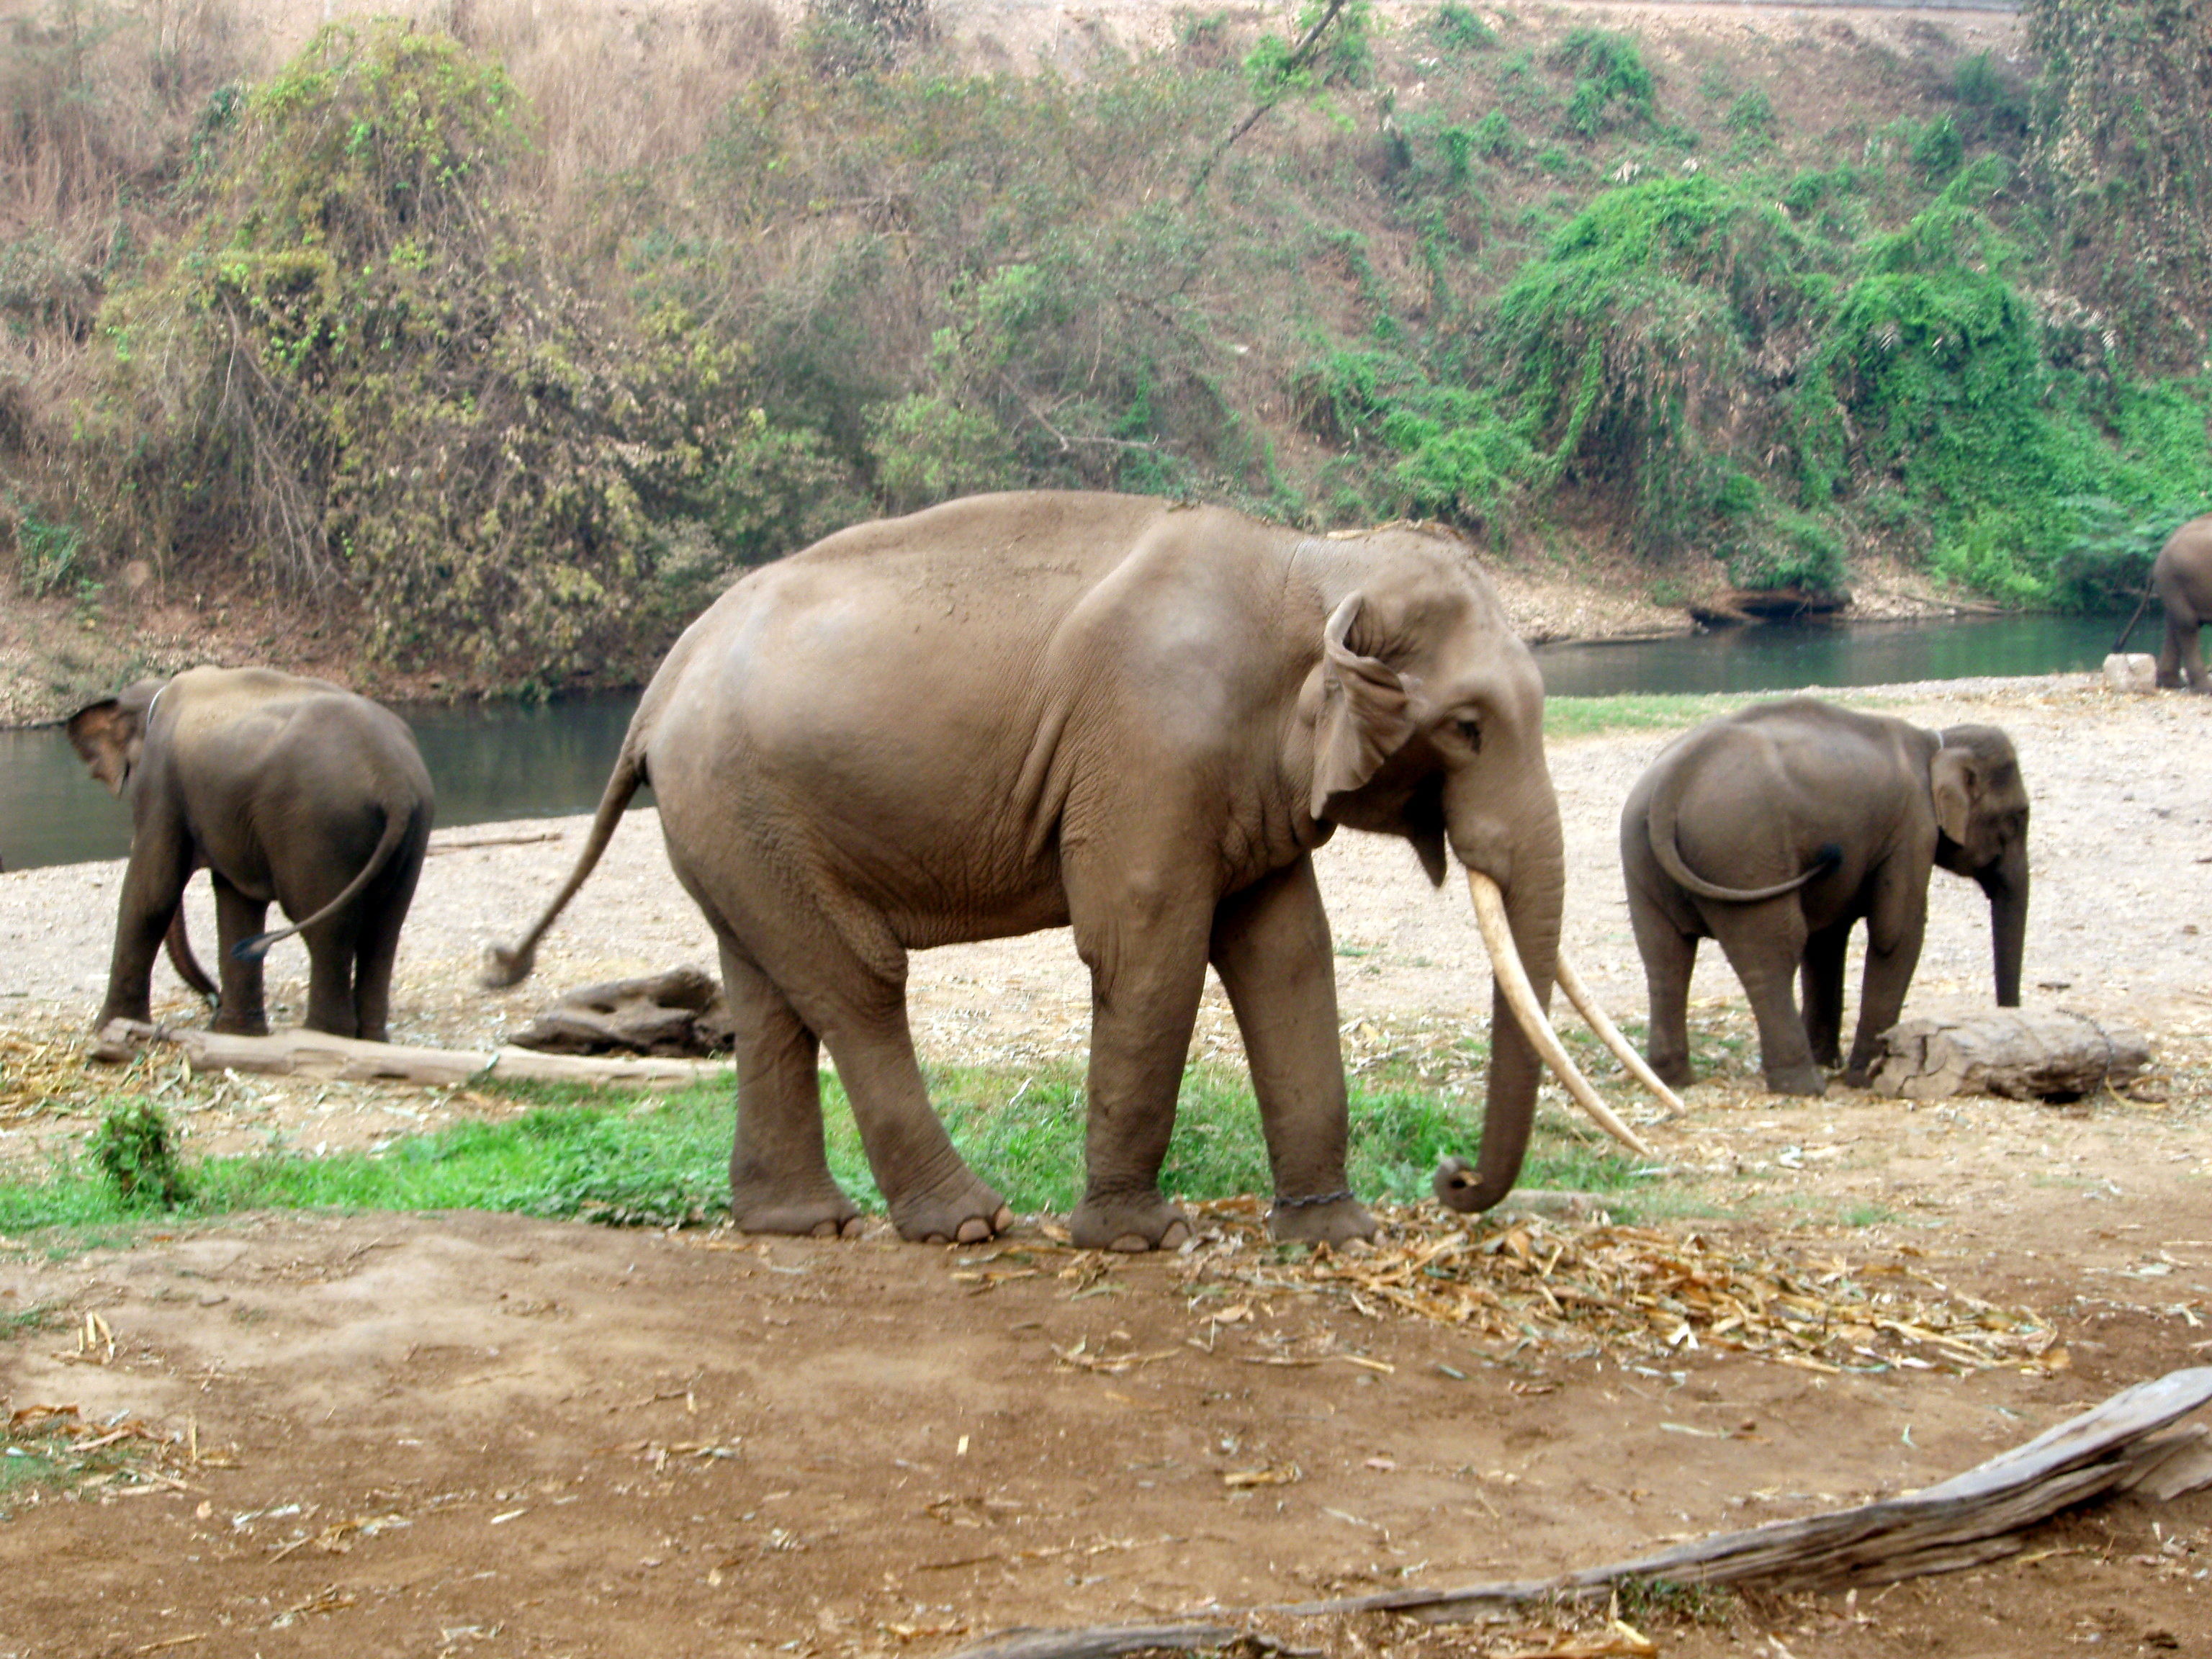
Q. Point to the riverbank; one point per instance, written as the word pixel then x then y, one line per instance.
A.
pixel 2122 822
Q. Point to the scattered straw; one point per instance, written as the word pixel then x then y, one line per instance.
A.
pixel 1651 1291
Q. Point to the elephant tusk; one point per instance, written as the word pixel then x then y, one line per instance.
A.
pixel 1587 1006
pixel 1513 981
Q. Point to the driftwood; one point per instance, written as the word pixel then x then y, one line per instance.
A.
pixel 678 1012
pixel 1973 1517
pixel 315 1055
pixel 2039 1056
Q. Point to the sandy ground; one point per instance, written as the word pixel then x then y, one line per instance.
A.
pixel 465 1434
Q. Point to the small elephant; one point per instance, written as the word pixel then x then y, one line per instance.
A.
pixel 1137 717
pixel 1774 829
pixel 289 789
pixel 2181 576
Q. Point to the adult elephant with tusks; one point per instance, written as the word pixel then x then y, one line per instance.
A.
pixel 285 789
pixel 1023 711
pixel 1776 829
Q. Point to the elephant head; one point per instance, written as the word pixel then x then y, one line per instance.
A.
pixel 1981 814
pixel 1427 718
pixel 110 735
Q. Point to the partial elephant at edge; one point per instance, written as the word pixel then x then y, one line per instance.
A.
pixel 2181 576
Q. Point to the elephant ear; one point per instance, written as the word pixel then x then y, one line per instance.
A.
pixel 1363 718
pixel 1954 781
pixel 109 734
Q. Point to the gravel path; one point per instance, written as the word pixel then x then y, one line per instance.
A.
pixel 2121 845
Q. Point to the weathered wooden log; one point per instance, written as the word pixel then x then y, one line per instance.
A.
pixel 2022 1056
pixel 675 1014
pixel 317 1055
pixel 2124 1445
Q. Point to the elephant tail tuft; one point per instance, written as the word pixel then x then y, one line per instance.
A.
pixel 504 968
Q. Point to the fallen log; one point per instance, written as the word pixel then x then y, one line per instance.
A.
pixel 2056 1055
pixel 2124 1445
pixel 348 1060
pixel 680 1012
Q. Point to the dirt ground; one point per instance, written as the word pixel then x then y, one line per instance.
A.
pixel 468 1434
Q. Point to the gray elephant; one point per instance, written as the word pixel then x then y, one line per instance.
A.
pixel 2181 576
pixel 294 790
pixel 1775 830
pixel 1017 712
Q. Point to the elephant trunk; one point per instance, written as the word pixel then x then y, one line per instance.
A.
pixel 2005 882
pixel 1521 929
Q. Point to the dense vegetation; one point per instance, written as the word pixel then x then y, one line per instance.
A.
pixel 513 350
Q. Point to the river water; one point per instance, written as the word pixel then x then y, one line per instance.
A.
pixel 496 761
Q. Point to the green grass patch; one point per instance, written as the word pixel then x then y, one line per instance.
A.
pixel 664 1162
pixel 1584 717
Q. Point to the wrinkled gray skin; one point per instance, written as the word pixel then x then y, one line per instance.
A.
pixel 1017 712
pixel 285 789
pixel 1775 830
pixel 2181 576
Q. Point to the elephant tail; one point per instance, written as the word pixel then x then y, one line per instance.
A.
pixel 182 959
pixel 504 967
pixel 399 818
pixel 1660 825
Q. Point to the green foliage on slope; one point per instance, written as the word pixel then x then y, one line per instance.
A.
pixel 351 340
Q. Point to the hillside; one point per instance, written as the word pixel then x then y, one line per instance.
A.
pixel 474 354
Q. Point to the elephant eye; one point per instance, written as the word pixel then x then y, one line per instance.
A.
pixel 1470 732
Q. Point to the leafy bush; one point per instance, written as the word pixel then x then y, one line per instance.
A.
pixel 1611 88
pixel 360 363
pixel 135 1149
pixel 1458 29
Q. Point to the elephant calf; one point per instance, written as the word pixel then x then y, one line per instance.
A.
pixel 289 789
pixel 1775 830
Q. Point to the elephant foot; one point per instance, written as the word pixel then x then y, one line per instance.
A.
pixel 969 1215
pixel 242 1025
pixel 1131 1223
pixel 767 1210
pixel 1675 1073
pixel 1340 1220
pixel 1806 1079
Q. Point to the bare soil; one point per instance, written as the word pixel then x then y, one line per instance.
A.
pixel 470 1434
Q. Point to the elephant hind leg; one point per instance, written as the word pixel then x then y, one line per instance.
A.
pixel 240 1007
pixel 1670 956
pixel 1822 983
pixel 779 1179
pixel 1765 943
pixel 857 1008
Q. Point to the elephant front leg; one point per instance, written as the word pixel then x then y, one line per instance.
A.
pixel 1765 943
pixel 1271 946
pixel 779 1179
pixel 153 886
pixel 1143 932
pixel 239 1008
pixel 1895 927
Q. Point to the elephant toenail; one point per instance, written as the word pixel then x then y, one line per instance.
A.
pixel 1004 1220
pixel 1131 1244
pixel 824 1230
pixel 1175 1237
pixel 854 1227
pixel 936 1239
pixel 975 1230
